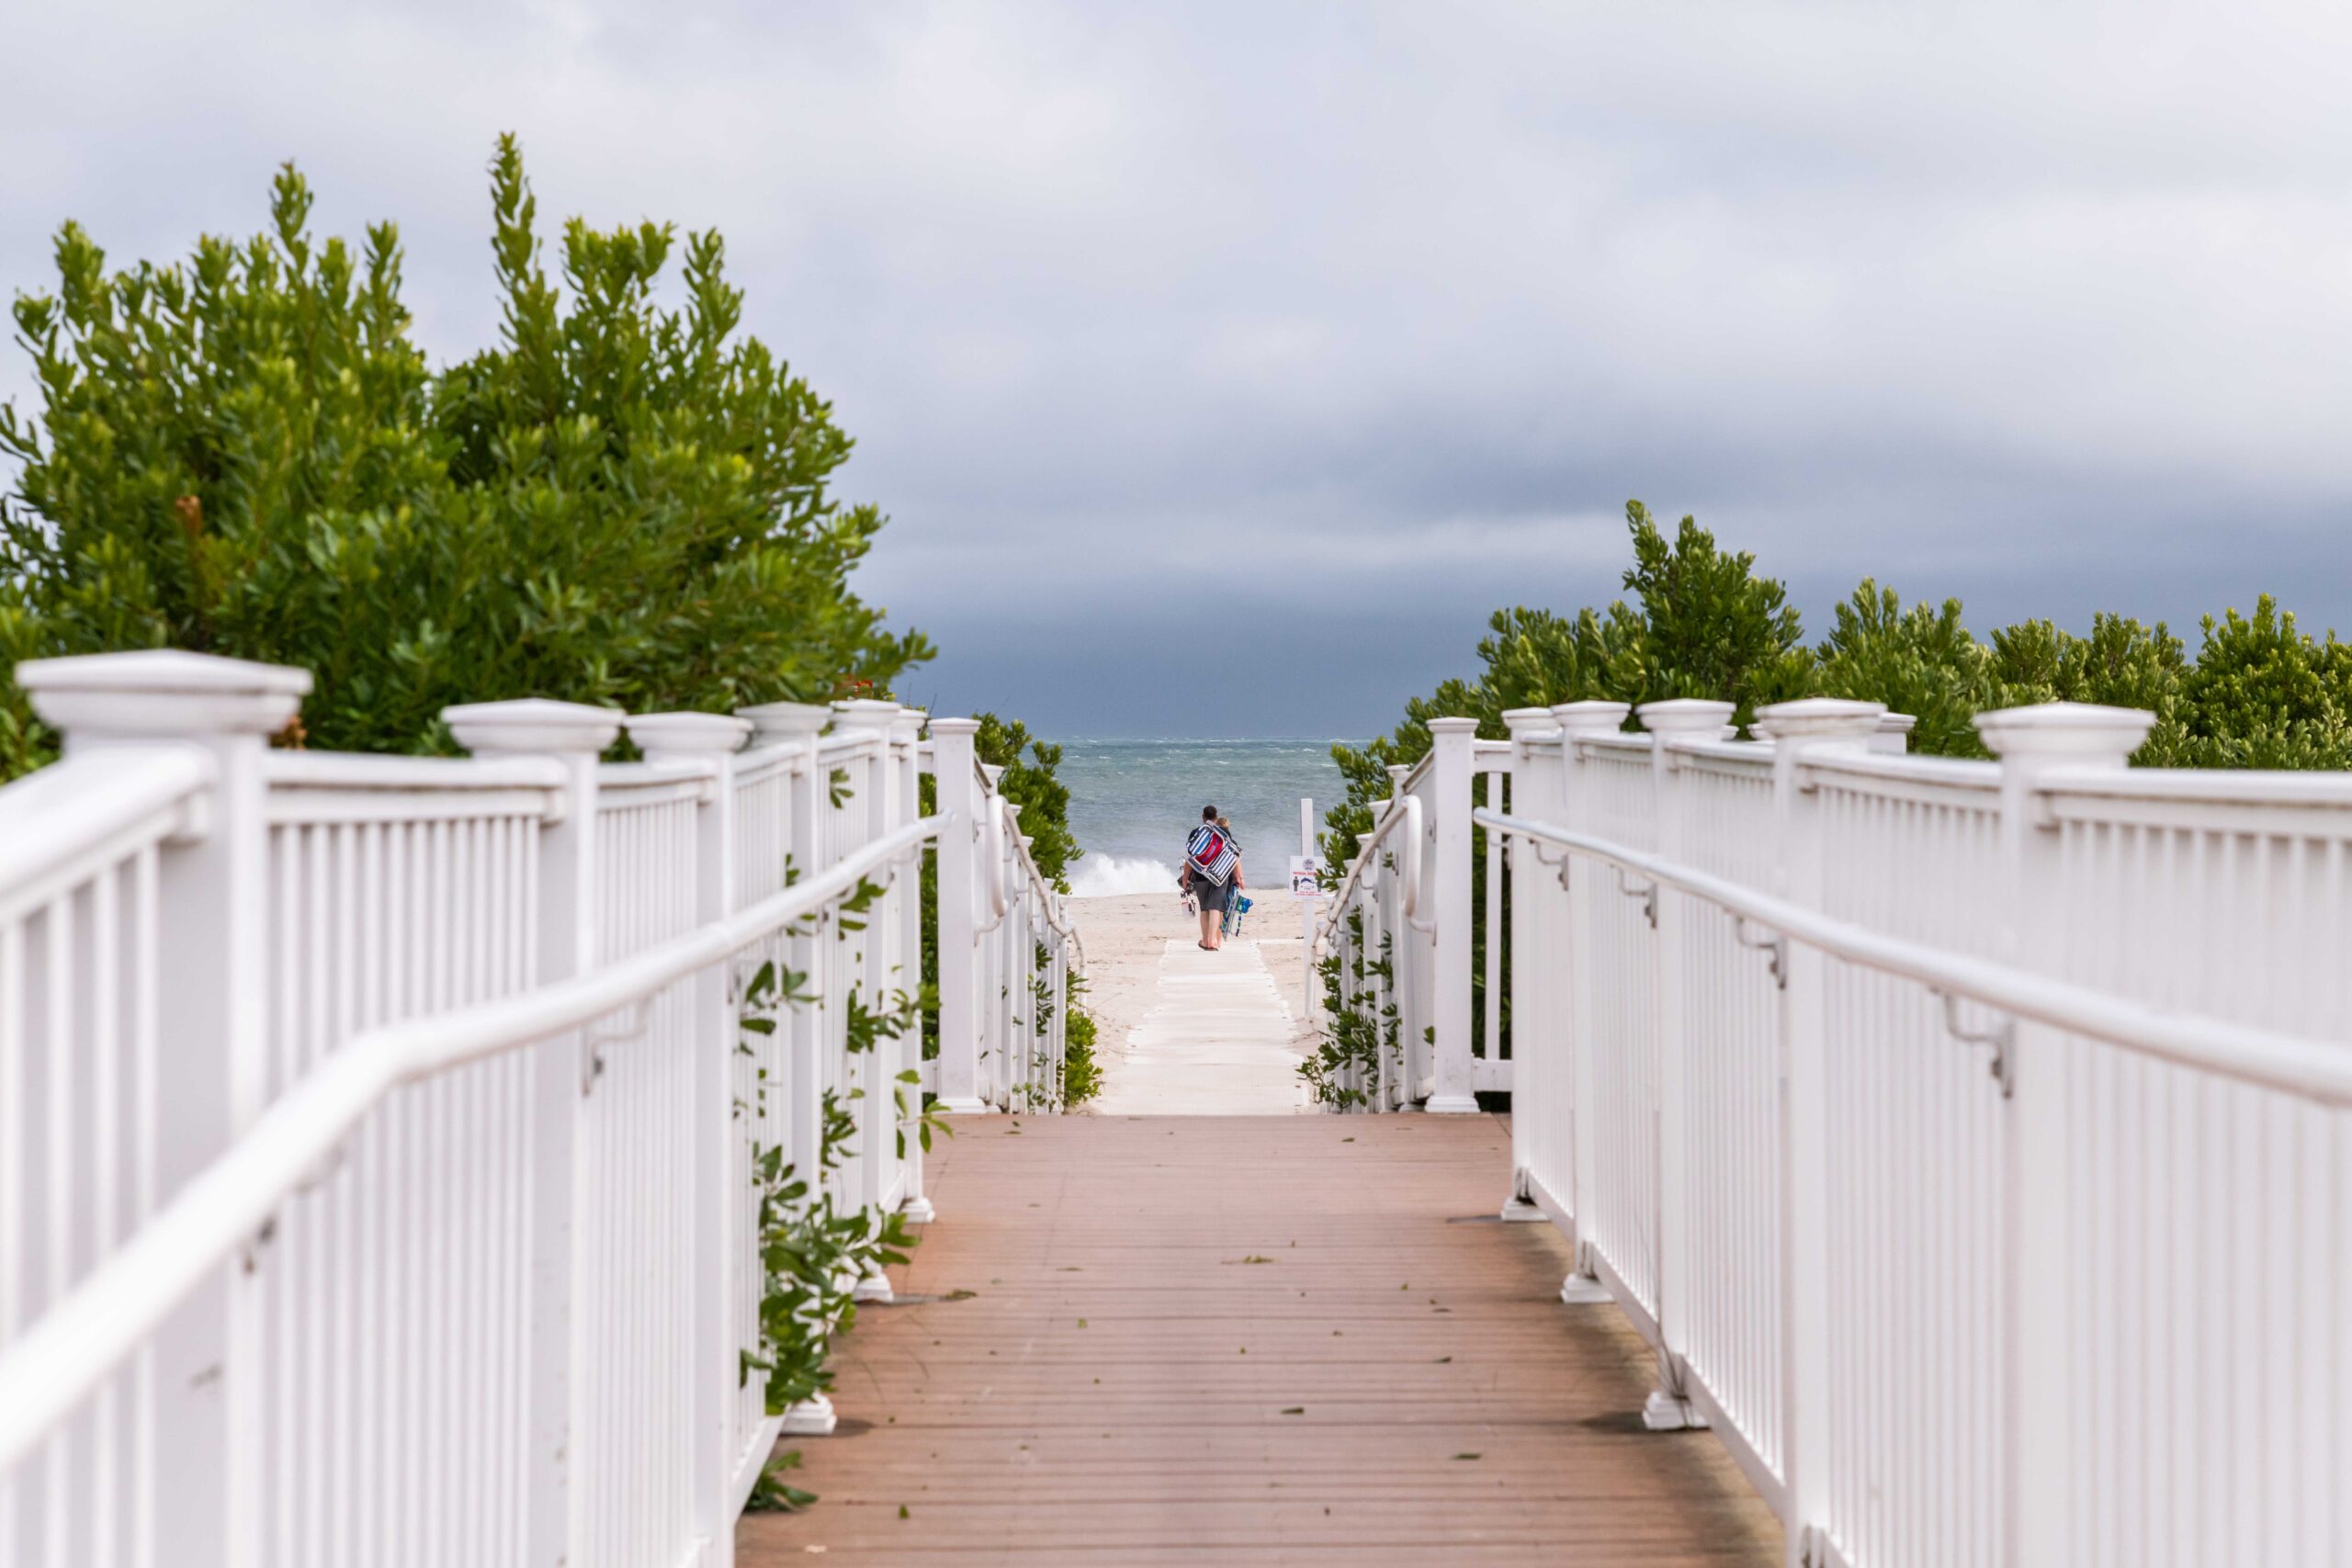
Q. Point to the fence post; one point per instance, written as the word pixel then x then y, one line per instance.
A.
pixel 1893 733
pixel 1577 720
pixel 1800 730
pixel 959 890
pixel 1381 1094
pixel 874 806
pixel 1405 992
pixel 2040 1481
pixel 1670 1407
pixel 996 982
pixel 574 733
pixel 1533 1058
pixel 1451 741
pixel 719 1251
pixel 212 893
pixel 1024 994
pixel 803 1088
pixel 906 731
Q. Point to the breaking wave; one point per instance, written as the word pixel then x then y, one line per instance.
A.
pixel 1099 876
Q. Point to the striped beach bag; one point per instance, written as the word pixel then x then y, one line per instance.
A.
pixel 1211 853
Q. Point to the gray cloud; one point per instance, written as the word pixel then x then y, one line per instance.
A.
pixel 1366 319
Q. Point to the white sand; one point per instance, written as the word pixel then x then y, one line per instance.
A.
pixel 1188 1033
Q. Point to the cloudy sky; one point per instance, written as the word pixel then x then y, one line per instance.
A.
pixel 1221 367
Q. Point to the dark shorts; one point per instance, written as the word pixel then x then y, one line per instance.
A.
pixel 1211 895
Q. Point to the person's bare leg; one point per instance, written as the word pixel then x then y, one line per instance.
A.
pixel 1209 918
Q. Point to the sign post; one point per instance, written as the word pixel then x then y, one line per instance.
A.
pixel 1305 885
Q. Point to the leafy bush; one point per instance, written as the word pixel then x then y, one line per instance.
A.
pixel 1081 1071
pixel 1921 662
pixel 1707 626
pixel 1030 782
pixel 247 455
pixel 2261 693
pixel 1710 626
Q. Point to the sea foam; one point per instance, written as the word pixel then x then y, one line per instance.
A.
pixel 1099 876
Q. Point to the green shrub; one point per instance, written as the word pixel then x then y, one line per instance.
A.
pixel 1921 662
pixel 245 453
pixel 2261 693
pixel 1030 782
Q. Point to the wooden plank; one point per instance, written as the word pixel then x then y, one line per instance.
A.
pixel 1126 1386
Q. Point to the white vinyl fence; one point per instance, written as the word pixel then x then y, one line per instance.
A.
pixel 379 1135
pixel 1969 1139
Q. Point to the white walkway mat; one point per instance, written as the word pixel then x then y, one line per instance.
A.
pixel 1219 1041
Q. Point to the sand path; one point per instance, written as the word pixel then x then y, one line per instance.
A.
pixel 1188 1033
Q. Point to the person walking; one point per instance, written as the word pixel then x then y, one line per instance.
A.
pixel 1211 861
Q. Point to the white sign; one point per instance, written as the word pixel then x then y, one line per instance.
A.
pixel 1306 877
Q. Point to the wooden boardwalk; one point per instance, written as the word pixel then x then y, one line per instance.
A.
pixel 1248 1340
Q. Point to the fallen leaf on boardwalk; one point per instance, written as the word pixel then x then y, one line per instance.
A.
pixel 1295 1410
pixel 959 1295
pixel 1465 1456
pixel 902 1510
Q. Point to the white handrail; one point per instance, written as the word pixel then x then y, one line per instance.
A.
pixel 2220 787
pixel 1365 846
pixel 2306 1068
pixel 68 1353
pixel 992 856
pixel 360 770
pixel 52 819
pixel 1051 904
pixel 1409 873
pixel 843 744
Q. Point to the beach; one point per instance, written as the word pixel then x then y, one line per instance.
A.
pixel 1135 980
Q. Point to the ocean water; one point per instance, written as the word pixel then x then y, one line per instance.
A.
pixel 1131 803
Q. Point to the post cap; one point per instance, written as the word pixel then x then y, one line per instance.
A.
pixel 1893 735
pixel 2075 732
pixel 161 692
pixel 1528 721
pixel 532 725
pixel 687 734
pixel 786 721
pixel 871 709
pixel 1453 727
pixel 1819 719
pixel 1685 715
pixel 993 771
pixel 1591 717
pixel 955 726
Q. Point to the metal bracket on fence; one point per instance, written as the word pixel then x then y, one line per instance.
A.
pixel 1647 893
pixel 2002 1037
pixel 1542 859
pixel 741 971
pixel 623 1024
pixel 1776 944
pixel 249 1255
